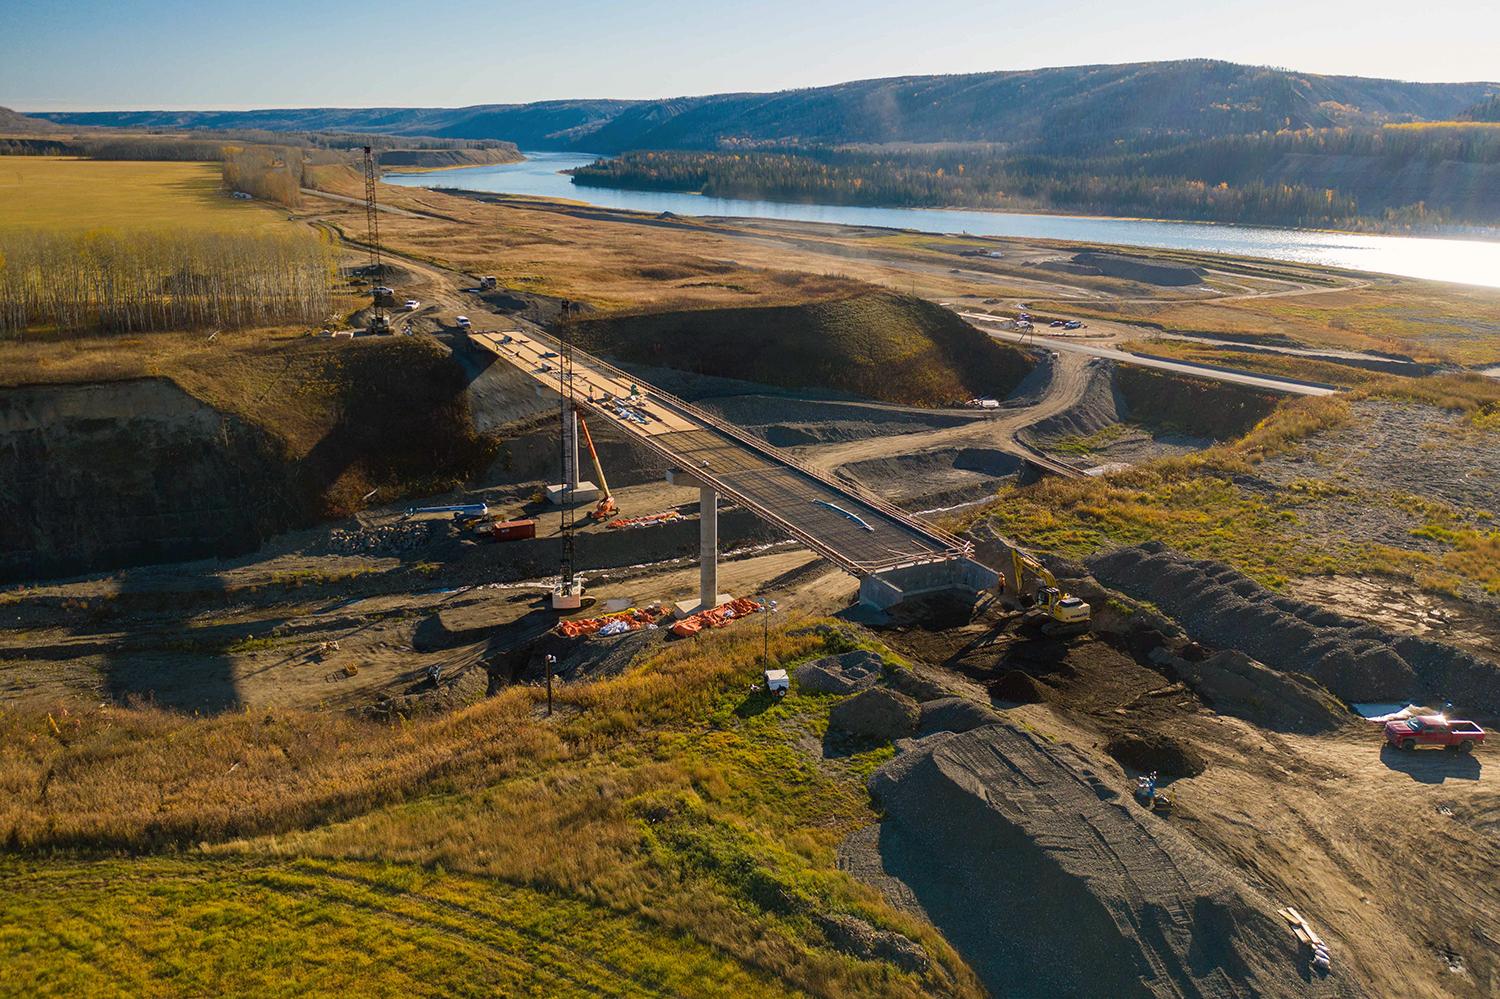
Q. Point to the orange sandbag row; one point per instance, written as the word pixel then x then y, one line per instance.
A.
pixel 634 619
pixel 715 618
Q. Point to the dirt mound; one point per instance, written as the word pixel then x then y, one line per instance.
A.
pixel 1168 273
pixel 1355 660
pixel 424 697
pixel 1147 751
pixel 847 673
pixel 1234 684
pixel 1050 882
pixel 954 714
pixel 879 713
pixel 879 345
pixel 1019 687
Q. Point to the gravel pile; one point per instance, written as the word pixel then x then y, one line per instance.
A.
pixel 881 714
pixel 1051 881
pixel 1354 659
pixel 847 673
pixel 389 539
pixel 1234 684
pixel 954 714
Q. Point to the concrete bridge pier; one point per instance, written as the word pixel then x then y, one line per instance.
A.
pixel 582 491
pixel 708 545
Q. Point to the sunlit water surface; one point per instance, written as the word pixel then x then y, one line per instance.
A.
pixel 1468 261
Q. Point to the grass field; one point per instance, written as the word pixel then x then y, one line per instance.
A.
pixel 664 834
pixel 65 194
pixel 1206 506
pixel 1423 320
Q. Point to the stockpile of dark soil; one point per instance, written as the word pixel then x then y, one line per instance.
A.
pixel 1167 273
pixel 1148 751
pixel 1019 687
pixel 1234 684
pixel 1355 660
pixel 589 658
pixel 846 673
pixel 955 714
pixel 1050 882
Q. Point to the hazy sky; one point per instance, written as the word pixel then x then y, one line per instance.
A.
pixel 139 54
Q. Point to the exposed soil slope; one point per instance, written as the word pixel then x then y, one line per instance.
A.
pixel 880 345
pixel 232 446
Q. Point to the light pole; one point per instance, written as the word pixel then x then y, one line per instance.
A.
pixel 765 632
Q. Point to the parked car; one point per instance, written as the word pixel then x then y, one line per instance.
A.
pixel 1057 324
pixel 1072 324
pixel 1407 734
pixel 412 305
pixel 463 322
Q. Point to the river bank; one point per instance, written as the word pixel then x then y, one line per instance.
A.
pixel 1463 261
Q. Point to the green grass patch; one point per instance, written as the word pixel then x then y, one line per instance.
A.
pixel 673 800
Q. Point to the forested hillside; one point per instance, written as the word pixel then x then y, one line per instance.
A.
pixel 1061 109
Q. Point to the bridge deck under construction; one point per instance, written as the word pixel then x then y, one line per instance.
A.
pixel 857 531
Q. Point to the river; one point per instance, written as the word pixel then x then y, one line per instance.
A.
pixel 1468 261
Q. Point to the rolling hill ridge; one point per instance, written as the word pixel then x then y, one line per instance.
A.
pixel 1063 109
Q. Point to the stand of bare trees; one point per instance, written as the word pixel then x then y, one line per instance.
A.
pixel 126 282
pixel 270 172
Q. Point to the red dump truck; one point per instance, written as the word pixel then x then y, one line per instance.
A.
pixel 1433 730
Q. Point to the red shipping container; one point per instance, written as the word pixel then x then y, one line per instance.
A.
pixel 513 530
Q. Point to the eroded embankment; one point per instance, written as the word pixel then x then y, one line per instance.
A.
pixel 1194 412
pixel 108 475
pixel 234 447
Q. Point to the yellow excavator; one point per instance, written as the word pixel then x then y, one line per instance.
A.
pixel 1031 584
pixel 606 507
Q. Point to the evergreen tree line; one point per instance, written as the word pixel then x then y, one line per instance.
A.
pixel 1236 178
pixel 130 282
pixel 1001 184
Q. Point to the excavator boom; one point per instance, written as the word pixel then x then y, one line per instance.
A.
pixel 1066 612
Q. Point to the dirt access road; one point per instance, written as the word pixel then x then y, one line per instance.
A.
pixel 1068 381
pixel 1218 374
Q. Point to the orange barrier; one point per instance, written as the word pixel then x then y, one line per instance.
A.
pixel 716 617
pixel 633 619
pixel 649 520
